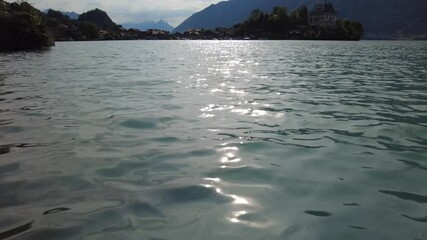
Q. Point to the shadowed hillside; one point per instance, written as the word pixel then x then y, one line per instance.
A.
pixel 226 14
pixel 97 17
pixel 22 27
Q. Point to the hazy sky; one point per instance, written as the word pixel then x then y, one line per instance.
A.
pixel 122 11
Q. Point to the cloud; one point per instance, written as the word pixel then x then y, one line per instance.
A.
pixel 122 11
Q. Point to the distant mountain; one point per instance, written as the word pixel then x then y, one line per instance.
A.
pixel 162 25
pixel 97 17
pixel 71 15
pixel 379 17
pixel 386 17
pixel 228 13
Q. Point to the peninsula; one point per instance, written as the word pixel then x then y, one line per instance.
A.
pixel 25 27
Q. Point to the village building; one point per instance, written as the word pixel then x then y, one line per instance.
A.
pixel 4 7
pixel 323 15
pixel 157 32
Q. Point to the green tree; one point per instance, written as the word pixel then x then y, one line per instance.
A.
pixel 278 20
pixel 89 30
pixel 303 14
pixel 281 12
pixel 255 15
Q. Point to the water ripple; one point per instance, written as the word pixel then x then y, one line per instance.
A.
pixel 406 196
pixel 16 231
pixel 214 140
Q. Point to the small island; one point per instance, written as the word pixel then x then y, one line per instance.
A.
pixel 319 24
pixel 25 27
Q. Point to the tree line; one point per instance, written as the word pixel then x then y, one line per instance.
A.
pixel 280 25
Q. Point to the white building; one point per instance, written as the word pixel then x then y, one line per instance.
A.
pixel 323 15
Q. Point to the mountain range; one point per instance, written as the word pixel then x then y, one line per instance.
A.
pixel 161 25
pixel 71 15
pixel 380 18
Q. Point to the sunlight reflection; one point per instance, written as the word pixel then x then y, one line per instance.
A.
pixel 209 108
pixel 237 91
pixel 213 107
pixel 239 200
pixel 258 113
pixel 235 219
pixel 213 179
pixel 206 115
pixel 214 130
pixel 279 115
pixel 241 111
pixel 216 90
pixel 230 149
pixel 230 159
pixel 250 219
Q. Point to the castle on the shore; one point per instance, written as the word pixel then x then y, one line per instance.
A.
pixel 323 15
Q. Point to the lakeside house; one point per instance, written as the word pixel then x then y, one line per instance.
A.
pixel 323 15
pixel 4 7
pixel 156 32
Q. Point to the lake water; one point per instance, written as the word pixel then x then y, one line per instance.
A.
pixel 214 140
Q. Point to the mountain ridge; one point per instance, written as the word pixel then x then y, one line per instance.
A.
pixel 161 25
pixel 218 15
pixel 71 15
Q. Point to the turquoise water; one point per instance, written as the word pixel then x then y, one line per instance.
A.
pixel 214 140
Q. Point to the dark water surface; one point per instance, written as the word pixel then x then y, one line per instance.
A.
pixel 214 140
